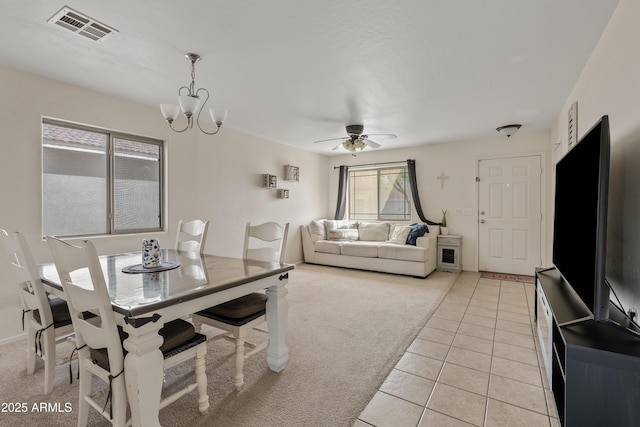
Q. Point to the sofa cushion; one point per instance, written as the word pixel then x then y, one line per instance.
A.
pixel 402 252
pixel 361 249
pixel 373 231
pixel 417 230
pixel 335 224
pixel 327 246
pixel 317 230
pixel 399 233
pixel 342 234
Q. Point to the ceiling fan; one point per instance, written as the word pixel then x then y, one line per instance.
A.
pixel 356 140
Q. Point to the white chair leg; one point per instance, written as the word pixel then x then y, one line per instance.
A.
pixel 84 389
pixel 241 335
pixel 31 352
pixel 119 401
pixel 49 357
pixel 201 378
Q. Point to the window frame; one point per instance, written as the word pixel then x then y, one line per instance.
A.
pixel 377 170
pixel 110 165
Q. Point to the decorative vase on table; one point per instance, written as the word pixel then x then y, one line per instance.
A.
pixel 443 225
pixel 151 253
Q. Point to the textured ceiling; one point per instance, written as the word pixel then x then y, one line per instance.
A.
pixel 296 71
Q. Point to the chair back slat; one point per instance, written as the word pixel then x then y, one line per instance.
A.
pixel 88 292
pixel 191 236
pixel 188 246
pixel 32 294
pixel 262 254
pixel 265 242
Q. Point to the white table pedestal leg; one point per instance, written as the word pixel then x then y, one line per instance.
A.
pixel 277 322
pixel 144 373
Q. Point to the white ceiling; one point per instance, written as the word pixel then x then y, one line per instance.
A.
pixel 296 71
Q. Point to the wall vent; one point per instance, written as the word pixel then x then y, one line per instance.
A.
pixel 82 25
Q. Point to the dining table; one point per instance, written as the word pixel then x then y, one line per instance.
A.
pixel 144 300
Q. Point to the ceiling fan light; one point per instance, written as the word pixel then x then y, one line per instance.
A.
pixel 348 145
pixel 169 111
pixel 359 144
pixel 189 104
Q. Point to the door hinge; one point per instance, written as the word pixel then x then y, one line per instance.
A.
pixel 477 179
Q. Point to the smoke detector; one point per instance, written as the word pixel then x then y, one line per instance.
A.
pixel 82 25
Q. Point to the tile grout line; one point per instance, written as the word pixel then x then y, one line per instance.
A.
pixel 493 344
pixel 458 332
pixel 424 410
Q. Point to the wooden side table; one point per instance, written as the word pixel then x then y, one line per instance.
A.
pixel 449 253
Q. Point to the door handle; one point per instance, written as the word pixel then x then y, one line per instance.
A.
pixel 482 221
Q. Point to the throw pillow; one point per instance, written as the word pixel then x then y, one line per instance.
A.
pixel 417 230
pixel 374 231
pixel 317 231
pixel 343 234
pixel 338 224
pixel 399 233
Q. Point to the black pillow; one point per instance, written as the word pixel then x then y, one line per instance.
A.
pixel 417 230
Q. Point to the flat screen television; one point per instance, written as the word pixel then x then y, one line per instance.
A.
pixel 580 218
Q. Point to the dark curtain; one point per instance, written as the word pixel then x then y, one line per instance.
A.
pixel 342 192
pixel 411 166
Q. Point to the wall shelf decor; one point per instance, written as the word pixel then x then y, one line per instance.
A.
pixel 269 181
pixel 283 193
pixel 291 173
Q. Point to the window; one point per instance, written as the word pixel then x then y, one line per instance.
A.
pixel 99 182
pixel 379 194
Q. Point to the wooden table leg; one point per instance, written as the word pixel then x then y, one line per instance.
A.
pixel 278 322
pixel 144 373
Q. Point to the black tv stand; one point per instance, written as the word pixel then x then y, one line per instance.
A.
pixel 608 322
pixel 593 367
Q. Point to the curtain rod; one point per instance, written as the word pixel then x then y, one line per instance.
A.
pixel 372 164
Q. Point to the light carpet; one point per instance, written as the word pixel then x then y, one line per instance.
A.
pixel 347 330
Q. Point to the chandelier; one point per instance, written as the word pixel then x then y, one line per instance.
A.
pixel 353 144
pixel 189 100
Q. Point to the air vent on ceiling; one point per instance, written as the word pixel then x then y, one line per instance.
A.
pixel 82 25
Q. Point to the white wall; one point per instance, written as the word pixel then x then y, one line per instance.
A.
pixel 610 81
pixel 458 161
pixel 610 85
pixel 212 177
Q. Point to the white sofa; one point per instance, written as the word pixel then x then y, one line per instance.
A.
pixel 375 246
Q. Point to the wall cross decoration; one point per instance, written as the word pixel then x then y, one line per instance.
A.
pixel 442 178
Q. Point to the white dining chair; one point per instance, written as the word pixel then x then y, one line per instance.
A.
pixel 99 338
pixel 191 235
pixel 265 242
pixel 47 320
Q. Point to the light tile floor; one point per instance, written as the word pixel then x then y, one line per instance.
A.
pixel 475 363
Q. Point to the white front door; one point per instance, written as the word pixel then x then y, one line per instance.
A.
pixel 509 214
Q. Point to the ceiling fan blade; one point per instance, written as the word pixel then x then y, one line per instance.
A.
pixel 382 135
pixel 336 147
pixel 332 139
pixel 371 143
